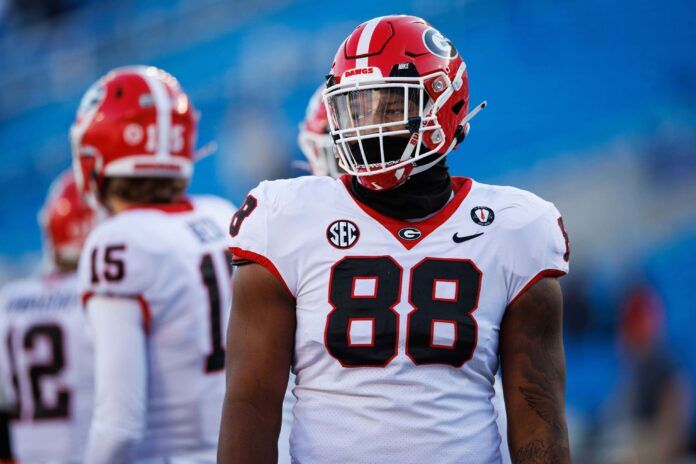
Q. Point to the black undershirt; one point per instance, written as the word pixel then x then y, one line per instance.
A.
pixel 420 196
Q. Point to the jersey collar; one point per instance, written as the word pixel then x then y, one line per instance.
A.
pixel 460 186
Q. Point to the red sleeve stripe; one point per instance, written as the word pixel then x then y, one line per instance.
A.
pixel 238 253
pixel 535 279
pixel 85 298
pixel 147 314
pixel 144 307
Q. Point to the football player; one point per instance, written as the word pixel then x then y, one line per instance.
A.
pixel 315 140
pixel 317 145
pixel 45 351
pixel 394 291
pixel 155 275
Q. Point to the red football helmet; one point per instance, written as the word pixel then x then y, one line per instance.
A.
pixel 315 141
pixel 66 219
pixel 133 122
pixel 397 100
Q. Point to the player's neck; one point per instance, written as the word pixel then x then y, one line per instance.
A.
pixel 63 268
pixel 422 195
pixel 117 205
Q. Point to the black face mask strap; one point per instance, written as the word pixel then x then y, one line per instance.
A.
pixel 423 194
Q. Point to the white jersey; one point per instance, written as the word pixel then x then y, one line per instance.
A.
pixel 49 363
pixel 501 419
pixel 174 261
pixel 396 345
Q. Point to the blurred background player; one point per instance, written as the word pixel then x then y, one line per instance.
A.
pixel 318 147
pixel 44 339
pixel 155 275
pixel 647 419
pixel 315 140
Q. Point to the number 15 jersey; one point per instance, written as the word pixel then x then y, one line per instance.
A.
pixel 398 322
pixel 171 259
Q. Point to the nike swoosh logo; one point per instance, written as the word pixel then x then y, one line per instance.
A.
pixel 458 239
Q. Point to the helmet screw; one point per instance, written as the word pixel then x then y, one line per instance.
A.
pixel 438 85
pixel 437 137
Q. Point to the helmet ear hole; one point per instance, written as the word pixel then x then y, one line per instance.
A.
pixel 457 107
pixel 119 92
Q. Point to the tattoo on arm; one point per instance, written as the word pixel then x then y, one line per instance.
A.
pixel 544 371
pixel 540 452
pixel 541 373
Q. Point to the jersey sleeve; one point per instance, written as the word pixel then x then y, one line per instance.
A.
pixel 116 262
pixel 252 228
pixel 118 420
pixel 537 249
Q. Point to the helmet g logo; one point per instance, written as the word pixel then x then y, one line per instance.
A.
pixel 438 44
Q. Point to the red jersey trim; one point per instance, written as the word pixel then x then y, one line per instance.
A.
pixel 535 279
pixel 238 253
pixel 182 206
pixel 144 306
pixel 147 314
pixel 461 187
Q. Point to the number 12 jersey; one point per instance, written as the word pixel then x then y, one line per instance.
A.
pixel 46 359
pixel 396 345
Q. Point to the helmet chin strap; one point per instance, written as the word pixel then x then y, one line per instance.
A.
pixel 465 125
pixel 406 155
pixel 430 164
pixel 408 151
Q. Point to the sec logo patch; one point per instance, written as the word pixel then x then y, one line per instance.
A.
pixel 342 234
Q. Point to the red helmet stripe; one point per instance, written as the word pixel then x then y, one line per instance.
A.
pixel 163 105
pixel 364 41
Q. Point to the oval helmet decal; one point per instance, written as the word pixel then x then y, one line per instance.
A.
pixel 438 44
